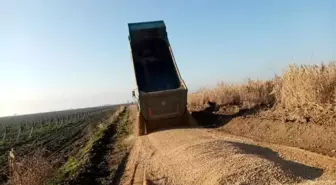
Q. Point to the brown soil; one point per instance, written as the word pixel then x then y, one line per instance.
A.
pixel 203 156
pixel 213 156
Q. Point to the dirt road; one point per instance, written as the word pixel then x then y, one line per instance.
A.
pixel 206 156
pixel 203 156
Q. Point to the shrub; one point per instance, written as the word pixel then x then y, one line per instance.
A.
pixel 302 92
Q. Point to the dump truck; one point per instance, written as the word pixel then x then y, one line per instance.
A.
pixel 161 93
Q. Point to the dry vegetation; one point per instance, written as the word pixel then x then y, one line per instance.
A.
pixel 305 93
pixel 33 169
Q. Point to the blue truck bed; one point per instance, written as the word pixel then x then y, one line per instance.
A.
pixel 152 58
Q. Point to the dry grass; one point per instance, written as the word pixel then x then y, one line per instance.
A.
pixel 32 170
pixel 251 94
pixel 305 93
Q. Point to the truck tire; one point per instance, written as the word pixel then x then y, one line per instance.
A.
pixel 141 125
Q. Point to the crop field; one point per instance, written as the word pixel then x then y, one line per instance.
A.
pixel 53 132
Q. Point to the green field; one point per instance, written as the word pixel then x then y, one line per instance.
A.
pixel 54 133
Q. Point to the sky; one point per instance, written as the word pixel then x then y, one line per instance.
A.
pixel 65 54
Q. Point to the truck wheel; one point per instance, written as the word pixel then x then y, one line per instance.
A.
pixel 141 125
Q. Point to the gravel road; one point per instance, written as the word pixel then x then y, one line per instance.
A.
pixel 206 156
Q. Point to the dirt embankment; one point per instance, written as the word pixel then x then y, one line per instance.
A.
pixel 312 137
pixel 258 125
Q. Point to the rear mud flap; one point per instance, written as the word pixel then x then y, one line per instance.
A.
pixel 146 127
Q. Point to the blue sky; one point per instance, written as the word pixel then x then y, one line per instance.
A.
pixel 75 53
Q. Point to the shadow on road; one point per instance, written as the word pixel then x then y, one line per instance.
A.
pixel 209 119
pixel 297 169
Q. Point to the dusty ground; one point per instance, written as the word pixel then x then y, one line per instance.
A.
pixel 312 137
pixel 209 156
pixel 189 156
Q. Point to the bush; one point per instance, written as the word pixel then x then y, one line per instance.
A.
pixel 307 91
pixel 302 92
pixel 247 95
